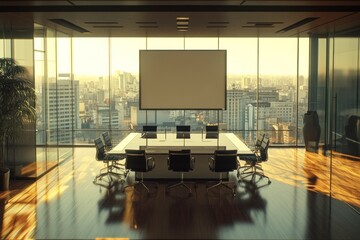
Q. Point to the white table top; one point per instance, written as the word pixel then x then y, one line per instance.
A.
pixel 197 143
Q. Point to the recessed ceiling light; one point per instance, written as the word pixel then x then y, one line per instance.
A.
pixel 182 19
pixel 107 26
pixel 215 26
pixel 152 22
pixel 101 22
pixel 148 26
pixel 221 23
pixel 182 23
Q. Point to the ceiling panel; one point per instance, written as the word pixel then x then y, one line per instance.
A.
pixel 249 18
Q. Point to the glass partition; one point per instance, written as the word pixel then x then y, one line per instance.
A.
pixel 97 88
pixel 277 103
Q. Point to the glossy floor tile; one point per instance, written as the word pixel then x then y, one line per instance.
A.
pixel 302 202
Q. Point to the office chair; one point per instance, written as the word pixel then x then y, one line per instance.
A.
pixel 108 170
pixel 223 161
pixel 137 161
pixel 116 163
pixel 180 161
pixel 212 132
pixel 253 162
pixel 254 149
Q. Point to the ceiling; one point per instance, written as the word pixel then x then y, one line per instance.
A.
pixel 246 18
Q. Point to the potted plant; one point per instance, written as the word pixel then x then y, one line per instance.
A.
pixel 17 97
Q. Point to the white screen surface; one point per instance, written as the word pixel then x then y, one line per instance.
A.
pixel 182 79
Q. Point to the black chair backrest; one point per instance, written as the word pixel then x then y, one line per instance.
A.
pixel 264 149
pixel 225 160
pixel 107 139
pixel 259 140
pixel 179 160
pixel 100 149
pixel 135 160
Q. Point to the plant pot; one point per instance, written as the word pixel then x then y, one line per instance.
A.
pixel 4 179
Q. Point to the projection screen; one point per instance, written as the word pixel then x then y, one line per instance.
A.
pixel 182 79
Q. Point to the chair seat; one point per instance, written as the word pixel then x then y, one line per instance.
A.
pixel 114 157
pixel 252 158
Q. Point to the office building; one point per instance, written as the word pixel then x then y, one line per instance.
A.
pixel 285 61
pixel 62 99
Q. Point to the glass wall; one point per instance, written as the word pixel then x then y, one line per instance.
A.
pixel 346 95
pixel 107 76
pixel 124 87
pixel 275 110
pixel 94 87
pixel 19 154
pixel 55 97
pixel 91 76
pixel 41 93
pixel 337 92
pixel 334 94
pixel 5 48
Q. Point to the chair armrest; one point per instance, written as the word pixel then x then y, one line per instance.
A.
pixel 168 163
pixel 150 163
pixel 192 163
pixel 211 163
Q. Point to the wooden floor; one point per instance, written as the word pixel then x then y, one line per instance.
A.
pixel 311 197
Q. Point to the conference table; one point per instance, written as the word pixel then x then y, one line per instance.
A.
pixel 202 149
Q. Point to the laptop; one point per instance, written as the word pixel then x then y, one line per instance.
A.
pixel 149 131
pixel 183 131
pixel 212 132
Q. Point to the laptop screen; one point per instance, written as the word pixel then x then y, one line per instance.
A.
pixel 183 131
pixel 149 132
pixel 212 132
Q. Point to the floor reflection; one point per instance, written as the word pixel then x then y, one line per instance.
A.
pixel 113 202
pixel 65 204
pixel 314 171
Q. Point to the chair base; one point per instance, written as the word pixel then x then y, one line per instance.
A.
pixel 141 183
pixel 138 183
pixel 221 183
pixel 255 170
pixel 109 171
pixel 181 183
pixel 254 174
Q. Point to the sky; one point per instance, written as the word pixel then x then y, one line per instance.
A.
pixel 277 55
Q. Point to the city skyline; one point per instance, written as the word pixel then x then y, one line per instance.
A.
pixel 276 55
